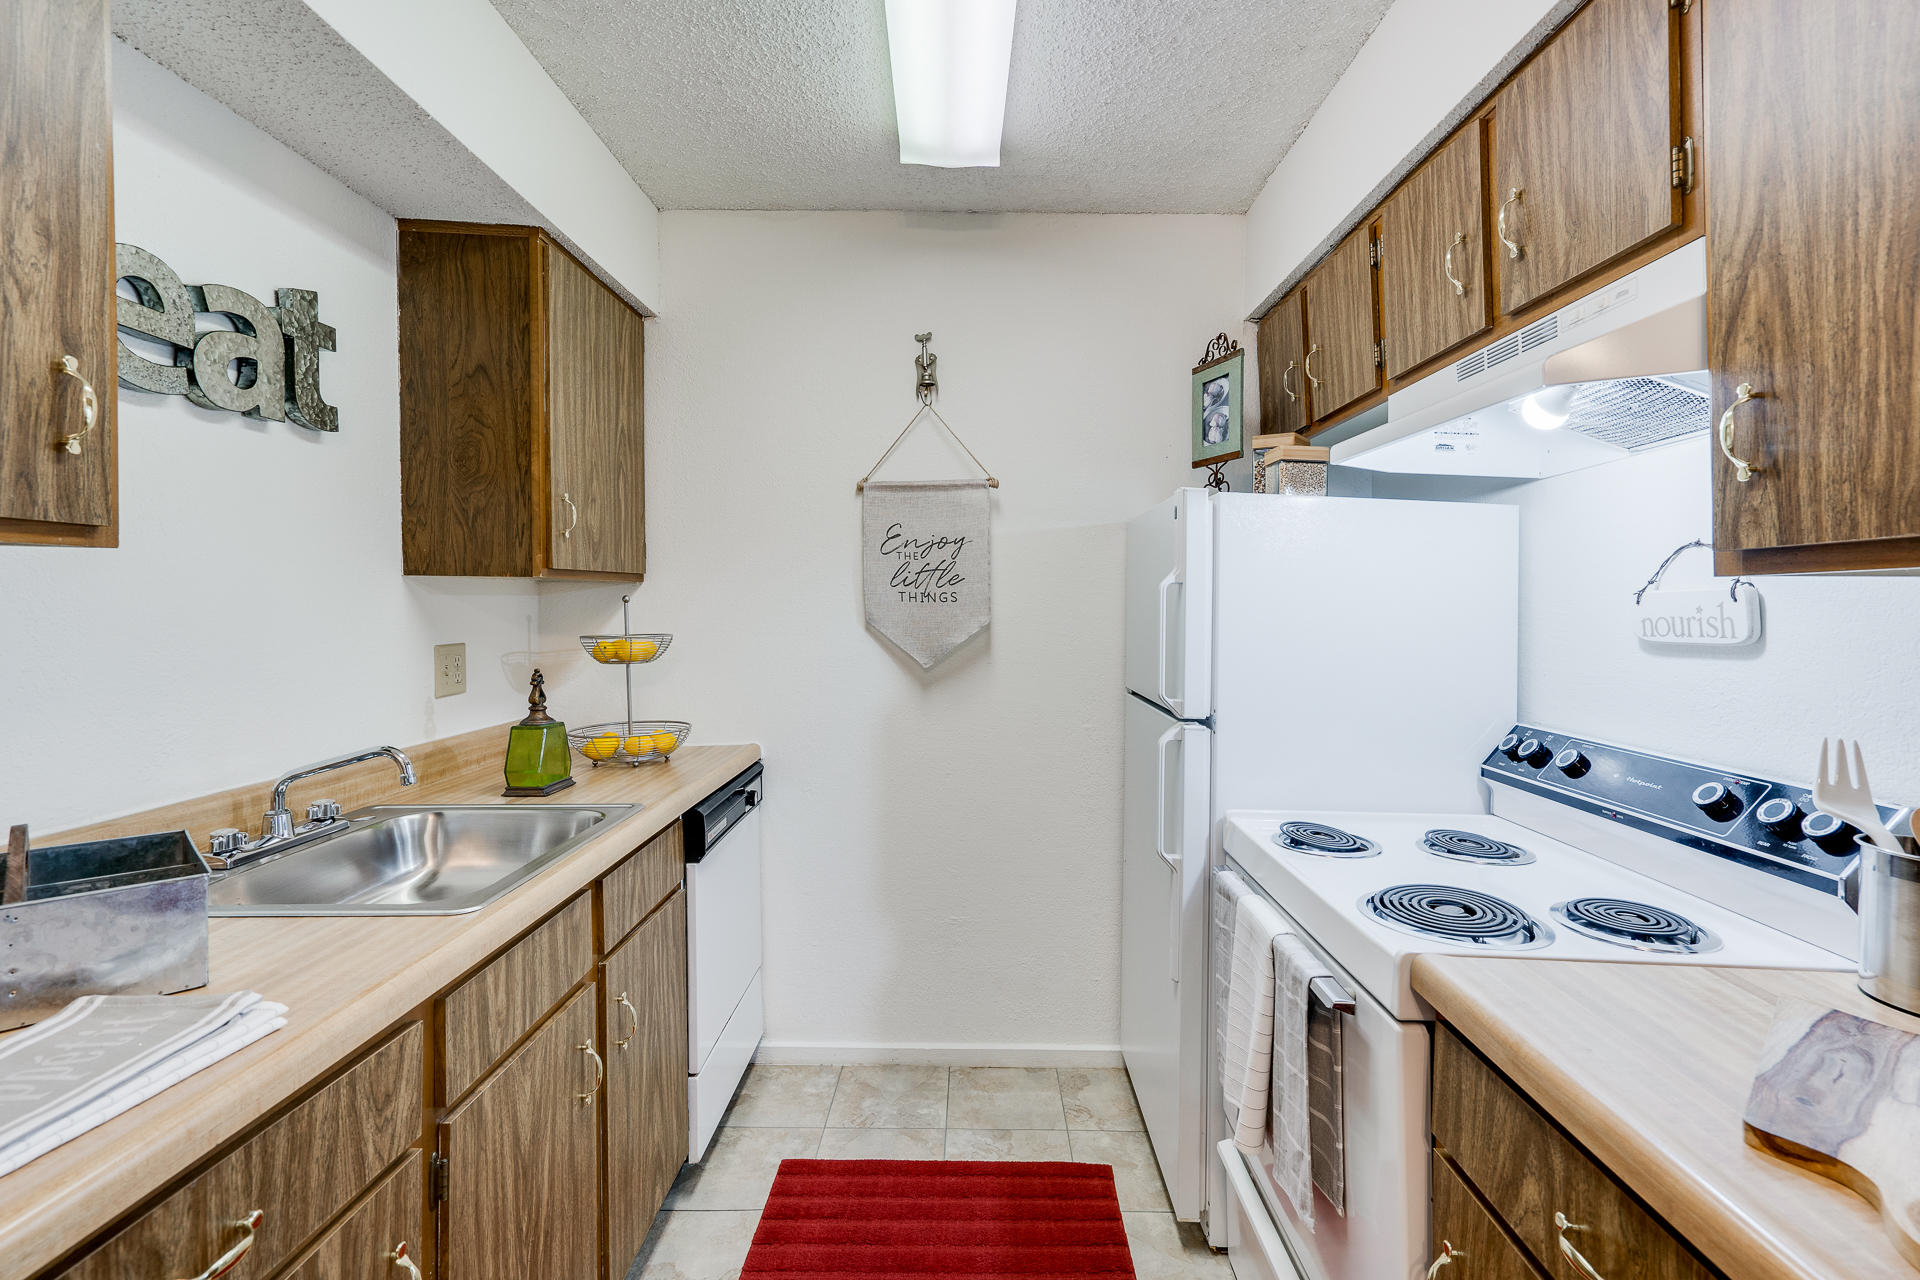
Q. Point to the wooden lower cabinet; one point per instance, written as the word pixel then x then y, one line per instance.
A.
pixel 523 1159
pixel 1468 1242
pixel 368 1242
pixel 644 983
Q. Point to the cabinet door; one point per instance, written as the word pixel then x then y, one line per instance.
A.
pixel 523 1156
pixel 1433 278
pixel 645 987
pixel 56 271
pixel 1467 1235
pixel 1583 144
pixel 597 495
pixel 1281 352
pixel 1813 252
pixel 1340 364
pixel 362 1244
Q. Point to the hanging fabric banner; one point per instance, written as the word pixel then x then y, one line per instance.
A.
pixel 925 563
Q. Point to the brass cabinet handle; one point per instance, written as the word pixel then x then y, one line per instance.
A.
pixel 1560 1228
pixel 231 1258
pixel 89 404
pixel 1500 223
pixel 1447 1254
pixel 399 1258
pixel 1742 469
pixel 599 1072
pixel 573 516
pixel 1309 366
pixel 1284 375
pixel 1459 289
pixel 632 1013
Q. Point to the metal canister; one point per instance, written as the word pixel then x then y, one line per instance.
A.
pixel 1890 926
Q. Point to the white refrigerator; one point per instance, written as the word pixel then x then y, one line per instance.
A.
pixel 1286 652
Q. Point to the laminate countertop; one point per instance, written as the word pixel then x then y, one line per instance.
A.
pixel 1648 1066
pixel 345 980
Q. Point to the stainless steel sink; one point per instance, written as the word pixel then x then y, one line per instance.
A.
pixel 412 860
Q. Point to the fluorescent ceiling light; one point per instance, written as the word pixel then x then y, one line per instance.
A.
pixel 950 61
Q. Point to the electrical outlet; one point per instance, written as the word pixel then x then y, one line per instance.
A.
pixel 449 670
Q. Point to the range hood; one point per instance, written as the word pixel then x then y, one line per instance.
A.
pixel 1621 370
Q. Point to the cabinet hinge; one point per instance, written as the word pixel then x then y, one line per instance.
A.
pixel 1684 6
pixel 1380 354
pixel 1373 252
pixel 1683 166
pixel 438 1178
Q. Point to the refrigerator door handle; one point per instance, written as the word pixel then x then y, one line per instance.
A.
pixel 1177 890
pixel 1160 797
pixel 1167 584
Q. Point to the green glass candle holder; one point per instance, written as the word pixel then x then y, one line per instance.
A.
pixel 538 760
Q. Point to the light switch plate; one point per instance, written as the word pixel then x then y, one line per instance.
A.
pixel 449 670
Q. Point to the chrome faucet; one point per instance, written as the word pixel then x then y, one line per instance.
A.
pixel 277 830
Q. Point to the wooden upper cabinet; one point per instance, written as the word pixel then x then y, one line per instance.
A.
pixel 1813 255
pixel 1281 351
pixel 1583 148
pixel 520 409
pixel 1433 277
pixel 1341 363
pixel 56 274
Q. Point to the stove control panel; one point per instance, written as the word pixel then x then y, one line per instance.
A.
pixel 1772 826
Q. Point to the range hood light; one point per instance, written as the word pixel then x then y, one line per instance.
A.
pixel 1548 408
pixel 950 60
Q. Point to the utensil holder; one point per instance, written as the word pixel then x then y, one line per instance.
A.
pixel 1889 925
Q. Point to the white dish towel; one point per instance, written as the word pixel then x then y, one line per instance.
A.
pixel 1245 1035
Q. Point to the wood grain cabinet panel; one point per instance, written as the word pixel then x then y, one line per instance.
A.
pixel 520 409
pixel 1585 134
pixel 301 1170
pixel 523 1160
pixel 1813 248
pixel 1529 1171
pixel 1433 275
pixel 361 1246
pixel 56 269
pixel 485 1015
pixel 644 983
pixel 634 888
pixel 1341 364
pixel 1473 1239
pixel 1280 351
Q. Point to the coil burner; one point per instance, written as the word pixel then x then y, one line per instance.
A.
pixel 1465 846
pixel 1461 916
pixel 1322 841
pixel 1635 924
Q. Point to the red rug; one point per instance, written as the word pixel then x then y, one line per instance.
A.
pixel 978 1219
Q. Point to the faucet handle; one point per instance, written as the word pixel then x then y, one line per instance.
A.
pixel 227 839
pixel 323 811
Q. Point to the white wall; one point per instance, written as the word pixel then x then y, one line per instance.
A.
pixel 1841 654
pixel 254 616
pixel 943 847
pixel 1414 71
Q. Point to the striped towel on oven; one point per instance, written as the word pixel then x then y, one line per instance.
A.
pixel 1245 1029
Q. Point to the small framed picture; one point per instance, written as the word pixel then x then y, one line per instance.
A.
pixel 1217 390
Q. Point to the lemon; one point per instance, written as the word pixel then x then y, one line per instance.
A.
pixel 603 747
pixel 642 650
pixel 640 744
pixel 624 650
pixel 664 743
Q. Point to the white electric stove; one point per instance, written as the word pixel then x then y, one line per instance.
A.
pixel 1590 853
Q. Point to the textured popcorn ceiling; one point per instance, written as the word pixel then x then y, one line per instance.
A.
pixel 1113 106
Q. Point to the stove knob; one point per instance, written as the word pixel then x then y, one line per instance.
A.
pixel 1510 746
pixel 1829 832
pixel 1717 802
pixel 1572 763
pixel 1536 753
pixel 1782 818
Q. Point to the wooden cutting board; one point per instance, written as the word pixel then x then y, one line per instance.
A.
pixel 1840 1095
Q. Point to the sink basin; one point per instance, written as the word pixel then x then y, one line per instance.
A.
pixel 427 860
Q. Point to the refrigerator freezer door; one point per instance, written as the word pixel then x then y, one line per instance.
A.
pixel 1163 977
pixel 1170 604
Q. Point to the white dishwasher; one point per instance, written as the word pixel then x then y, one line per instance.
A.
pixel 724 1013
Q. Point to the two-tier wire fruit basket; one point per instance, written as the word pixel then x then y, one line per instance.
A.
pixel 628 741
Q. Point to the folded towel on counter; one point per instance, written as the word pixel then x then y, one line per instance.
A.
pixel 1293 1092
pixel 103 1054
pixel 1245 1034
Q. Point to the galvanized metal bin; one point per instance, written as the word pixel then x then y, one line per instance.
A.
pixel 110 917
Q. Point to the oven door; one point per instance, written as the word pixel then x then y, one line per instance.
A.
pixel 1384 1231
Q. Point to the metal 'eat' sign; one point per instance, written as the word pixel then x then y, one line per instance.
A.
pixel 266 366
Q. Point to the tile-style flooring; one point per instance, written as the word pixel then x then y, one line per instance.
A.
pixel 916 1113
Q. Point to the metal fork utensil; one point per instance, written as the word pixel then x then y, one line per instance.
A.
pixel 1845 794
